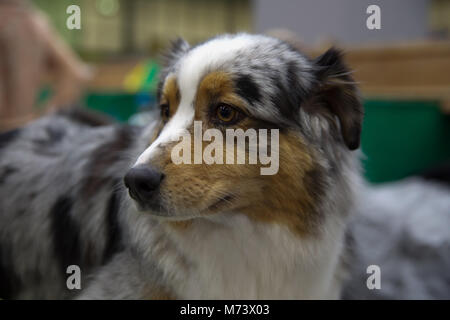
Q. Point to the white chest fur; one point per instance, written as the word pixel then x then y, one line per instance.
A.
pixel 239 259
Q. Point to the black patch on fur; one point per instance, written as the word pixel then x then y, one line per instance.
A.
pixel 103 158
pixel 9 281
pixel 87 117
pixel 113 231
pixel 54 135
pixel 294 84
pixel 65 234
pixel 288 96
pixel 5 172
pixel 247 88
pixel 7 137
pixel 281 100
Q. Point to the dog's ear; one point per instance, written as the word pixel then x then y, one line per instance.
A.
pixel 176 50
pixel 337 94
pixel 168 59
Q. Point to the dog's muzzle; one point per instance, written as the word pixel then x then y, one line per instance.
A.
pixel 143 183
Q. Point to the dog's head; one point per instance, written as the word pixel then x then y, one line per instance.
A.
pixel 251 83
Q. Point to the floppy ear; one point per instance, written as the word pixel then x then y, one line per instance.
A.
pixel 168 59
pixel 176 50
pixel 337 93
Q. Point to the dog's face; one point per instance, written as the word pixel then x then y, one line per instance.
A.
pixel 245 82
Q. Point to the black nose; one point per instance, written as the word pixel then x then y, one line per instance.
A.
pixel 142 182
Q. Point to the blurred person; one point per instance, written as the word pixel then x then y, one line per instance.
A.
pixel 31 52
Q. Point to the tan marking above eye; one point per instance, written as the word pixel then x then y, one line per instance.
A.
pixel 215 89
pixel 170 98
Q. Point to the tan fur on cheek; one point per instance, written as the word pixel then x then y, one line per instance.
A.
pixel 287 197
pixel 157 294
pixel 203 189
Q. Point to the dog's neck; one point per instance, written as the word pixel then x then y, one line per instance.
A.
pixel 231 256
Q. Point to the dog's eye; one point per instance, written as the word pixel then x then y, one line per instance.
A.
pixel 165 111
pixel 227 114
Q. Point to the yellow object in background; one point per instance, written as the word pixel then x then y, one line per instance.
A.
pixel 142 78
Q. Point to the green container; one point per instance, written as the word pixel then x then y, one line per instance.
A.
pixel 120 106
pixel 402 138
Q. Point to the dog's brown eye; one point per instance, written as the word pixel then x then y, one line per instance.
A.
pixel 226 113
pixel 165 111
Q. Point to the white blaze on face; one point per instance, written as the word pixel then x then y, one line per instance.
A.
pixel 190 69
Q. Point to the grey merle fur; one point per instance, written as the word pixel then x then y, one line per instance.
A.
pixel 61 207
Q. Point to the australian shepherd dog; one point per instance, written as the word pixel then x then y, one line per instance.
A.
pixel 138 223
